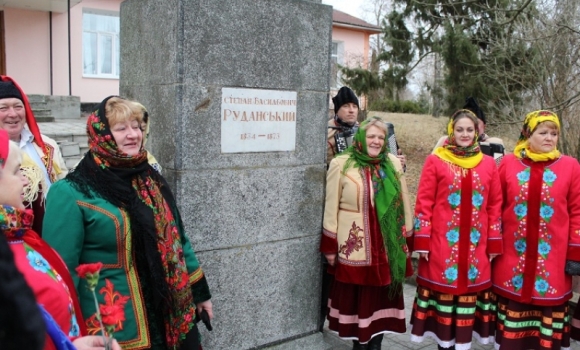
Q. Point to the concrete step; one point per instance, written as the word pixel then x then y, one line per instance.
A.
pixel 48 119
pixel 43 115
pixel 68 149
pixel 36 98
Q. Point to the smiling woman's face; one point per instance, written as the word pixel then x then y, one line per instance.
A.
pixel 464 132
pixel 128 136
pixel 12 182
pixel 375 141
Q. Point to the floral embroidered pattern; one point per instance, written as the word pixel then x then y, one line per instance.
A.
pixel 541 285
pixel 39 263
pixel 112 311
pixel 354 241
pixel 418 222
pixel 450 274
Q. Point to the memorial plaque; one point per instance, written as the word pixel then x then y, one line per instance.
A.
pixel 254 120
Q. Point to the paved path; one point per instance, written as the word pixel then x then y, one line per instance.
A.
pixel 64 127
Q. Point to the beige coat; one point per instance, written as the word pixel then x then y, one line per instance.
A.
pixel 346 206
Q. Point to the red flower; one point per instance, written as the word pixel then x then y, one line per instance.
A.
pixel 112 314
pixel 113 311
pixel 85 269
pixel 90 272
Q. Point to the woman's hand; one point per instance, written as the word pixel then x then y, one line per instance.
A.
pixel 492 256
pixel 424 256
pixel 207 306
pixel 331 258
pixel 94 342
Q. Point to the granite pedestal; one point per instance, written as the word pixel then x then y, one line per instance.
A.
pixel 253 218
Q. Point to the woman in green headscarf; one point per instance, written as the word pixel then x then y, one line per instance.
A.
pixel 367 218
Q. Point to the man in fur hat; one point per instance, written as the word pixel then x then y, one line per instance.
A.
pixel 492 146
pixel 344 125
pixel 42 162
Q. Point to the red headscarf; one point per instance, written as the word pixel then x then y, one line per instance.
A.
pixel 30 120
pixel 4 147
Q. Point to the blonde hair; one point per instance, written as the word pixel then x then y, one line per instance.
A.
pixel 118 110
pixel 375 121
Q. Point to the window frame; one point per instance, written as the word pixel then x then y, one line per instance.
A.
pixel 115 41
pixel 335 82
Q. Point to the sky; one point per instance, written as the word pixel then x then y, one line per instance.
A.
pixel 352 7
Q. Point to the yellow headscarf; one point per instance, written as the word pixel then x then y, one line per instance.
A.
pixel 465 157
pixel 531 122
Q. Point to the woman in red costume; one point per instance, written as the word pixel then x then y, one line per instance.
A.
pixel 541 233
pixel 457 233
pixel 40 265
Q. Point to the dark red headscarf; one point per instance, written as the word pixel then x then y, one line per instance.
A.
pixel 30 120
pixel 4 147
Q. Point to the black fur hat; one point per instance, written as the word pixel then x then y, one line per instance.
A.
pixel 471 104
pixel 344 95
pixel 8 90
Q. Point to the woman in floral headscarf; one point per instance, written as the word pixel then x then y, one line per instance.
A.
pixel 541 231
pixel 116 209
pixel 366 220
pixel 457 233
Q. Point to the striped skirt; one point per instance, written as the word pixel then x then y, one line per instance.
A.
pixel 451 319
pixel 525 326
pixel 361 312
pixel 575 324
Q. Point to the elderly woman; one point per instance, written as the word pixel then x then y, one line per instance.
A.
pixel 541 230
pixel 366 221
pixel 457 233
pixel 121 212
pixel 49 282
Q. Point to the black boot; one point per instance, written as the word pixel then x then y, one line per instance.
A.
pixel 439 347
pixel 358 346
pixel 375 343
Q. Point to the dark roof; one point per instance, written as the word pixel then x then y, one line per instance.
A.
pixel 342 19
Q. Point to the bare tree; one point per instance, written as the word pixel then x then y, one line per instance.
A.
pixel 545 46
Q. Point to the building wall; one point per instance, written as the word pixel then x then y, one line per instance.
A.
pixel 356 46
pixel 27 49
pixel 28 52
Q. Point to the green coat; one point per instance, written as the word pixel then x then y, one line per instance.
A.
pixel 88 230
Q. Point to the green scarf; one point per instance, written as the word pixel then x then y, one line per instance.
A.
pixel 388 201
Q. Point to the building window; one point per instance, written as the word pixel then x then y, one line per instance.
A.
pixel 336 59
pixel 101 49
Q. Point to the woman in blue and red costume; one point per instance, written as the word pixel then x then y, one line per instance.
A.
pixel 541 232
pixel 457 233
pixel 42 268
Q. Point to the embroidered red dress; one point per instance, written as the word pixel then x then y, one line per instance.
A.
pixel 541 228
pixel 457 222
pixel 49 286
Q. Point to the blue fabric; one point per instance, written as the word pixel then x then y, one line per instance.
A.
pixel 60 340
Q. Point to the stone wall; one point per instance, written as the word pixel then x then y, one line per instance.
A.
pixel 254 219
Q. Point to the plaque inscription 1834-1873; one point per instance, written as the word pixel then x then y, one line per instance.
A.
pixel 255 120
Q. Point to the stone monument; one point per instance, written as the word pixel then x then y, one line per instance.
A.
pixel 237 91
